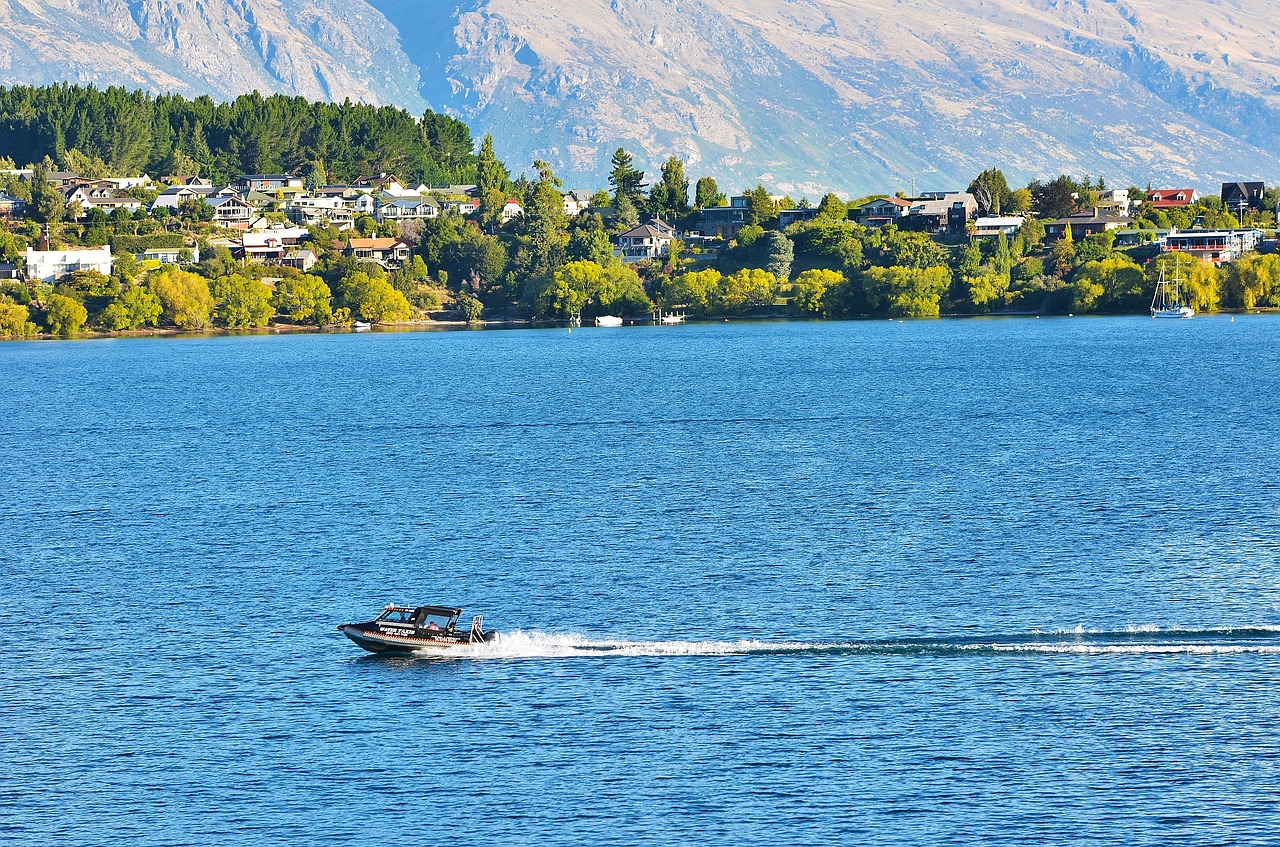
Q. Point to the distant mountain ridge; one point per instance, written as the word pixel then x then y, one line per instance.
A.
pixel 804 95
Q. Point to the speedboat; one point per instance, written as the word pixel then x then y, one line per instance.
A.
pixel 359 325
pixel 608 320
pixel 402 629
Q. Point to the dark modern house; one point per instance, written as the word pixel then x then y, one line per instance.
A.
pixel 1242 195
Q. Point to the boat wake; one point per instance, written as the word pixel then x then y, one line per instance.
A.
pixel 1080 641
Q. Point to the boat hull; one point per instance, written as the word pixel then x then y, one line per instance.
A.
pixel 1174 314
pixel 371 639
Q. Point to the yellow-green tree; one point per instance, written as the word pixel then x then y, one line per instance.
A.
pixel 810 290
pixel 988 289
pixel 699 290
pixel 375 300
pixel 241 302
pixel 304 299
pixel 748 288
pixel 187 301
pixel 15 322
pixel 1199 280
pixel 65 316
pixel 1253 280
pixel 907 292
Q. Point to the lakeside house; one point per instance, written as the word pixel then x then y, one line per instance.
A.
pixel 412 208
pixel 991 226
pixel 1219 246
pixel 941 212
pixel 1084 224
pixel 1173 198
pixel 329 210
pixel 576 202
pixel 725 221
pixel 269 183
pixel 170 255
pixel 11 207
pixel 51 265
pixel 232 212
pixel 511 210
pixel 786 217
pixel 1239 197
pixel 271 245
pixel 390 253
pixel 882 211
pixel 650 240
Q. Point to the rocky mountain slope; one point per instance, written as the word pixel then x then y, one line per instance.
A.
pixel 804 95
pixel 329 50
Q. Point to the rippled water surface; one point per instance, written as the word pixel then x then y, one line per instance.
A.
pixel 1005 582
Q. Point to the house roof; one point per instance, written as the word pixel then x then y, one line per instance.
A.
pixel 645 231
pixel 375 243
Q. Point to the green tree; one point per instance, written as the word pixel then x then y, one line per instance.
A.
pixel 590 244
pixel 831 209
pixel 375 299
pixel 779 253
pixel 987 290
pixel 135 307
pixel 64 315
pixel 240 302
pixel 907 291
pixel 187 301
pixel 469 307
pixel 913 250
pixel 1054 199
pixel 542 229
pixel 305 299
pixel 624 177
pixel 491 175
pixel 708 194
pixel 760 205
pixel 991 191
pixel 669 197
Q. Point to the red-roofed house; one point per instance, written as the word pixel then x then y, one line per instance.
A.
pixel 1172 198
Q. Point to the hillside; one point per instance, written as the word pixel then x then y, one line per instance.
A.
pixel 805 95
pixel 331 50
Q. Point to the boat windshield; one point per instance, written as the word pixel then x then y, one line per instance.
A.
pixel 397 616
pixel 435 622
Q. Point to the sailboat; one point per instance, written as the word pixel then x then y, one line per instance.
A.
pixel 1167 301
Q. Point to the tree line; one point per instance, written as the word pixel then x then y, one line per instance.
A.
pixel 99 131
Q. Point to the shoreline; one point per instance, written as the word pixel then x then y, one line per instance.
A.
pixel 529 323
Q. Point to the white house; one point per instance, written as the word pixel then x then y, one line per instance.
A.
pixel 645 241
pixel 990 227
pixel 512 210
pixel 50 265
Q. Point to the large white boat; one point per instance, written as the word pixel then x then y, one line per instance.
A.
pixel 1167 301
pixel 608 320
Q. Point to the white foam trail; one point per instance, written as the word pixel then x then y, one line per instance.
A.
pixel 1131 649
pixel 519 644
pixel 543 645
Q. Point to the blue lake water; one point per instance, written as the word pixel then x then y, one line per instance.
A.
pixel 1003 582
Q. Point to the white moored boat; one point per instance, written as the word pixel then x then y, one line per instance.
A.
pixel 1167 301
pixel 608 320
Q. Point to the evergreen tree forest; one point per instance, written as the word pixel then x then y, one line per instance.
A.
pixel 134 132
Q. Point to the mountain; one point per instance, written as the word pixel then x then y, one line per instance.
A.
pixel 324 51
pixel 804 95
